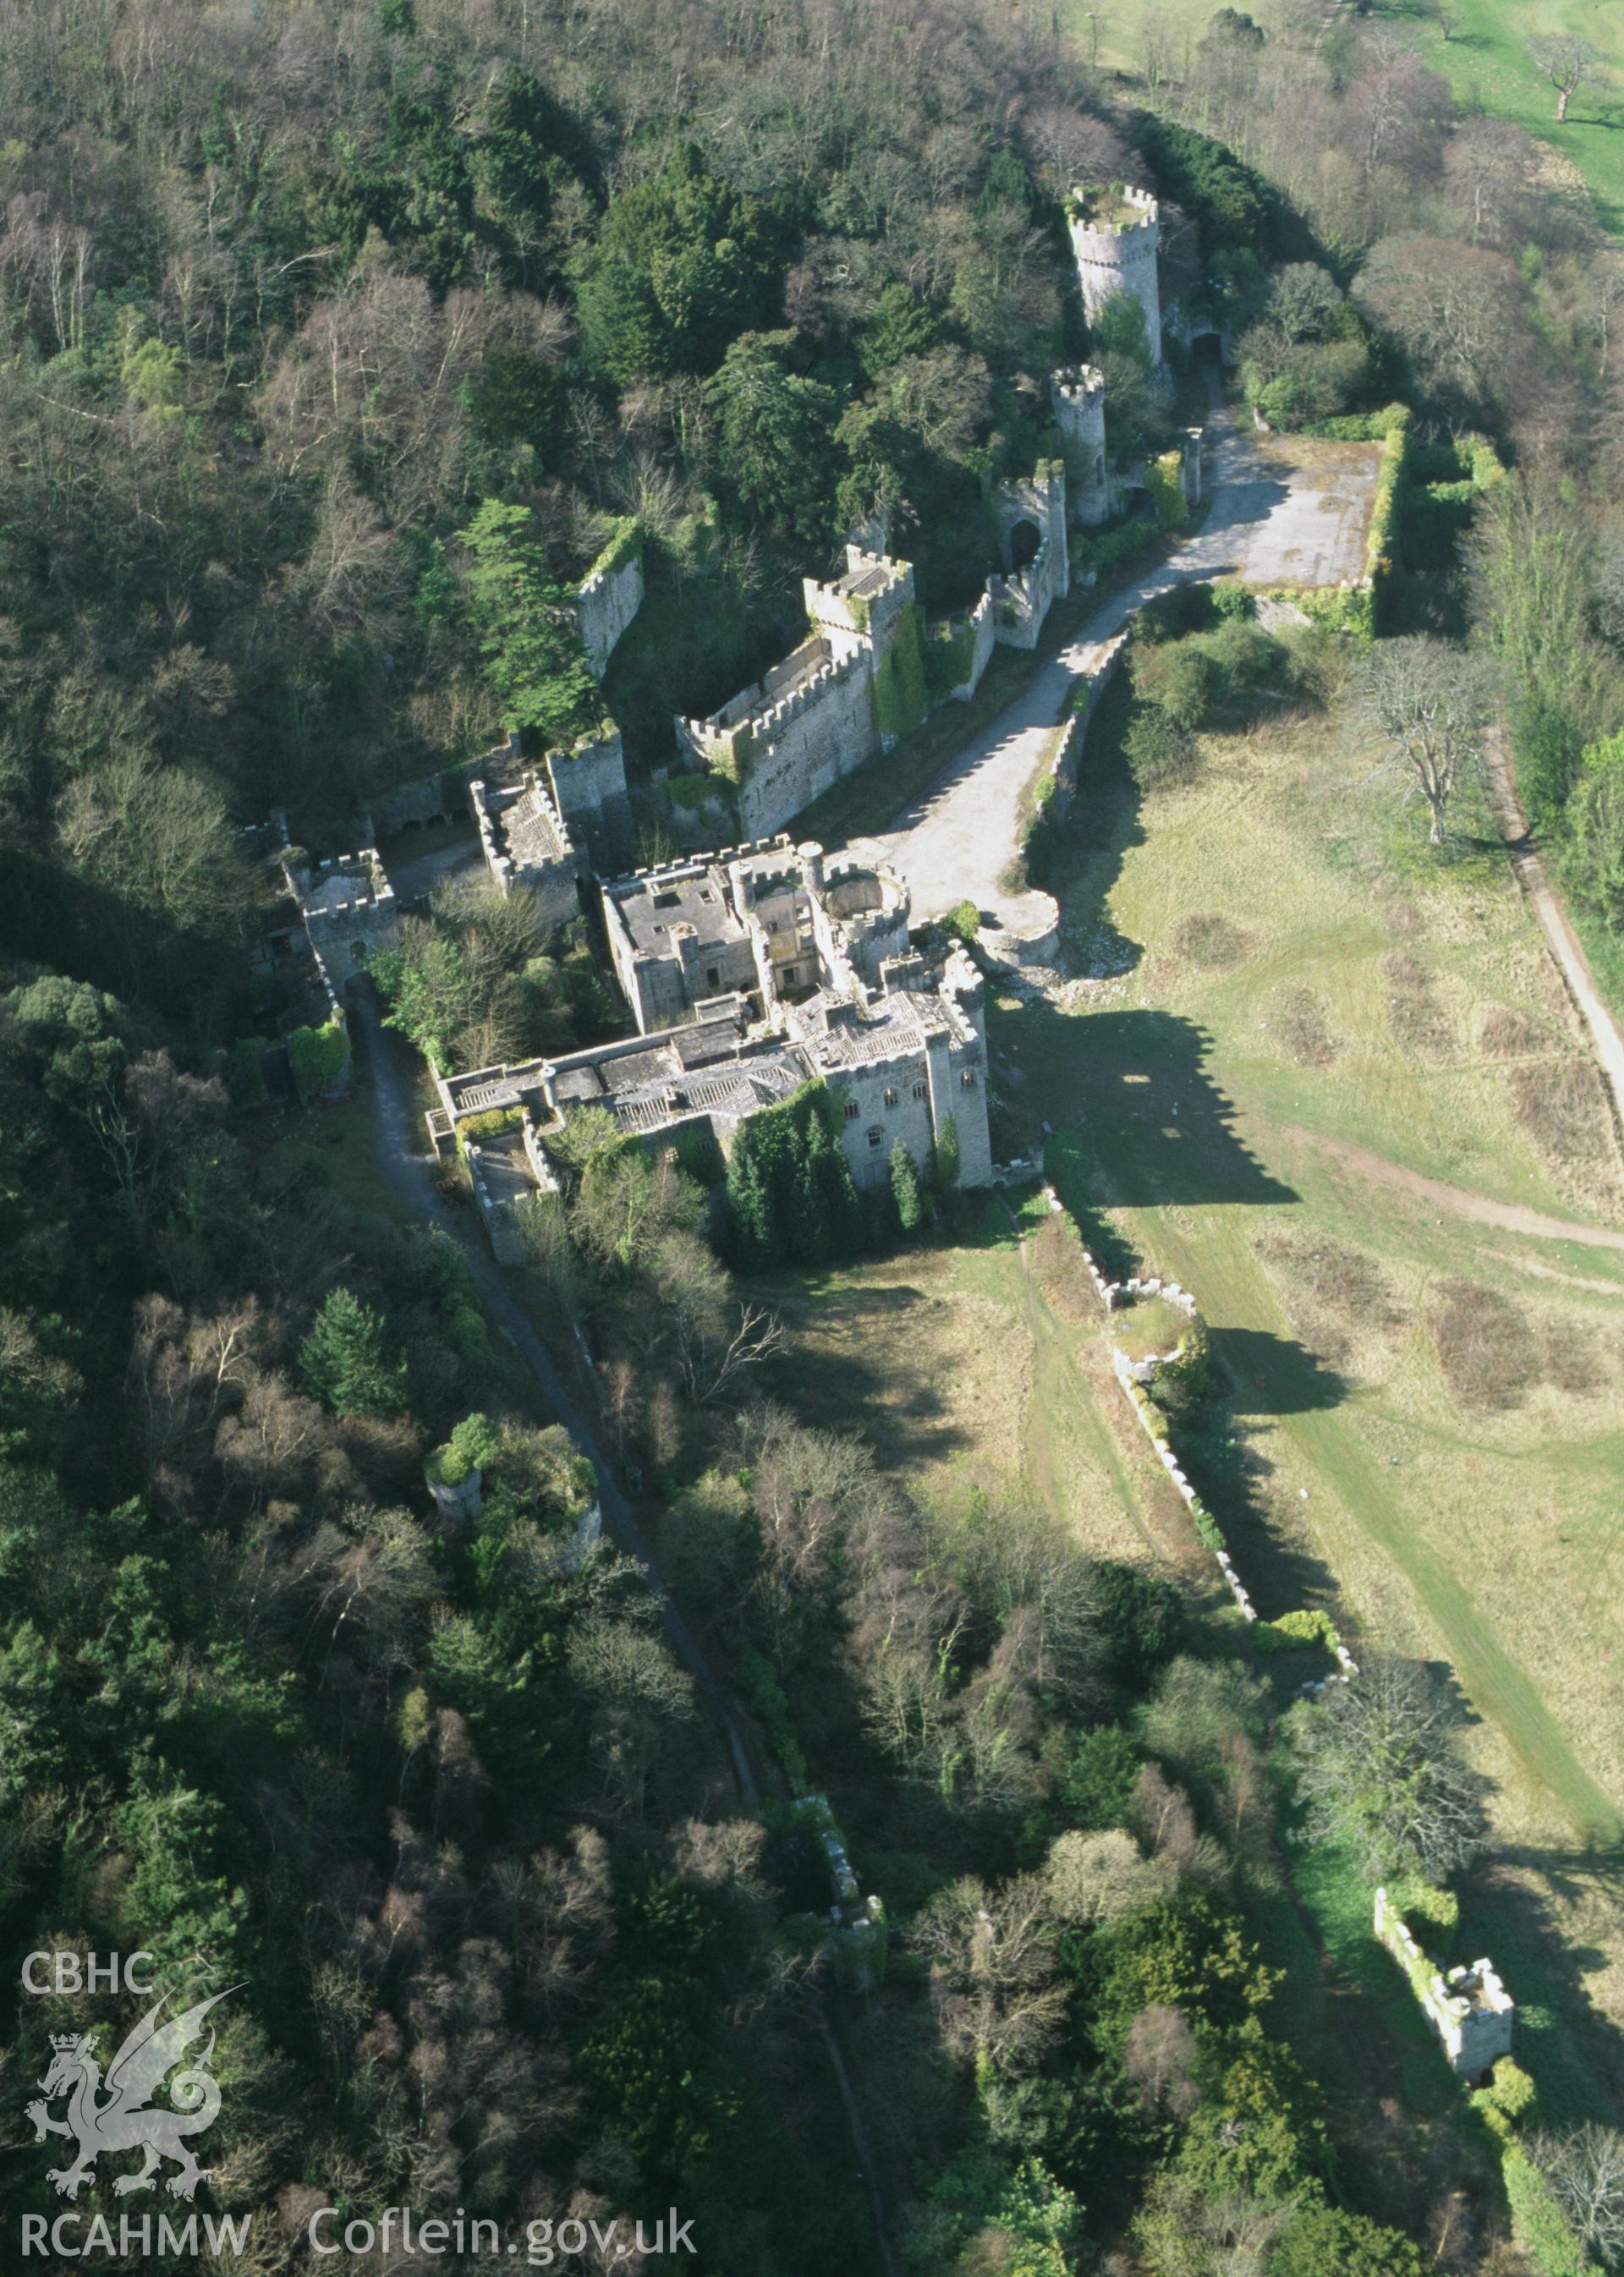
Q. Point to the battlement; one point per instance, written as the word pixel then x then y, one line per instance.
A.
pixel 873 589
pixel 1082 384
pixel 1115 238
pixel 768 723
pixel 340 889
pixel 350 914
pixel 1117 213
pixel 701 862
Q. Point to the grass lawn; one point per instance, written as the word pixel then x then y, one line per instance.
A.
pixel 1300 1011
pixel 1486 62
pixel 979 1363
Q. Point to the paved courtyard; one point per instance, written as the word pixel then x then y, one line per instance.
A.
pixel 1282 512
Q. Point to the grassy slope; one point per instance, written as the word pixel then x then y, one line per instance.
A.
pixel 1487 1539
pixel 1486 63
pixel 976 1363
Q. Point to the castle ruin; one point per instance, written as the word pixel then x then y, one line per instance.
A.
pixel 770 922
pixel 349 913
pixel 792 967
pixel 1077 398
pixel 609 596
pixel 1470 2010
pixel 1116 235
pixel 1023 599
pixel 526 846
pixel 811 720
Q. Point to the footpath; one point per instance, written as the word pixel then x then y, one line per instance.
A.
pixel 1529 867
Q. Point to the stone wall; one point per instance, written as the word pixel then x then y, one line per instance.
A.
pixel 415 805
pixel 496 1215
pixel 793 733
pixel 588 783
pixel 1468 2010
pixel 806 743
pixel 1097 679
pixel 1193 467
pixel 1133 1377
pixel 606 605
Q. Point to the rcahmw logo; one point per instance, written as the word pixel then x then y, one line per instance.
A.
pixel 118 2113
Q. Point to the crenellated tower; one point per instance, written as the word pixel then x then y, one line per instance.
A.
pixel 1115 236
pixel 1077 399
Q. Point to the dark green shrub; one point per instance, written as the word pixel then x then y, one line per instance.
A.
pixel 1182 609
pixel 1157 749
pixel 1097 1784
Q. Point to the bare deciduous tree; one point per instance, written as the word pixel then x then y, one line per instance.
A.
pixel 1568 61
pixel 1094 1877
pixel 1155 48
pixel 1489 167
pixel 1431 704
pixel 1379 1767
pixel 1160 2058
pixel 1455 309
pixel 997 1991
pixel 1069 147
pixel 1585 2169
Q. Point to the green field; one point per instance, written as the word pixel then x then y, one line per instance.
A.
pixel 1299 1015
pixel 1486 62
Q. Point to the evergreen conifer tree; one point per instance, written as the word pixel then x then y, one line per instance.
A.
pixel 848 1226
pixel 344 1361
pixel 905 1189
pixel 811 1234
pixel 948 1159
pixel 755 1231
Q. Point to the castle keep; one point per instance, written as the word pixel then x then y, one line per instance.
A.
pixel 789 737
pixel 769 922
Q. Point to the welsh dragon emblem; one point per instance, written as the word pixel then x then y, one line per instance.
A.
pixel 123 2118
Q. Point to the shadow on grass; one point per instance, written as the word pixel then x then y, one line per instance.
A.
pixel 1574 2049
pixel 904 1414
pixel 1273 1375
pixel 1134 1086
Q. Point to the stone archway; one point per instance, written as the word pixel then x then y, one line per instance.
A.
pixel 1023 542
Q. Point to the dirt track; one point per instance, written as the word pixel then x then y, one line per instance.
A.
pixel 1552 917
pixel 1508 1216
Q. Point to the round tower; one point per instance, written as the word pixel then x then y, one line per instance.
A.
pixel 1114 237
pixel 1077 398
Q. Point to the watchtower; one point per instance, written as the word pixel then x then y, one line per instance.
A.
pixel 1115 236
pixel 1077 399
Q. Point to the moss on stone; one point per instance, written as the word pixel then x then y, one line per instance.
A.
pixel 901 700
